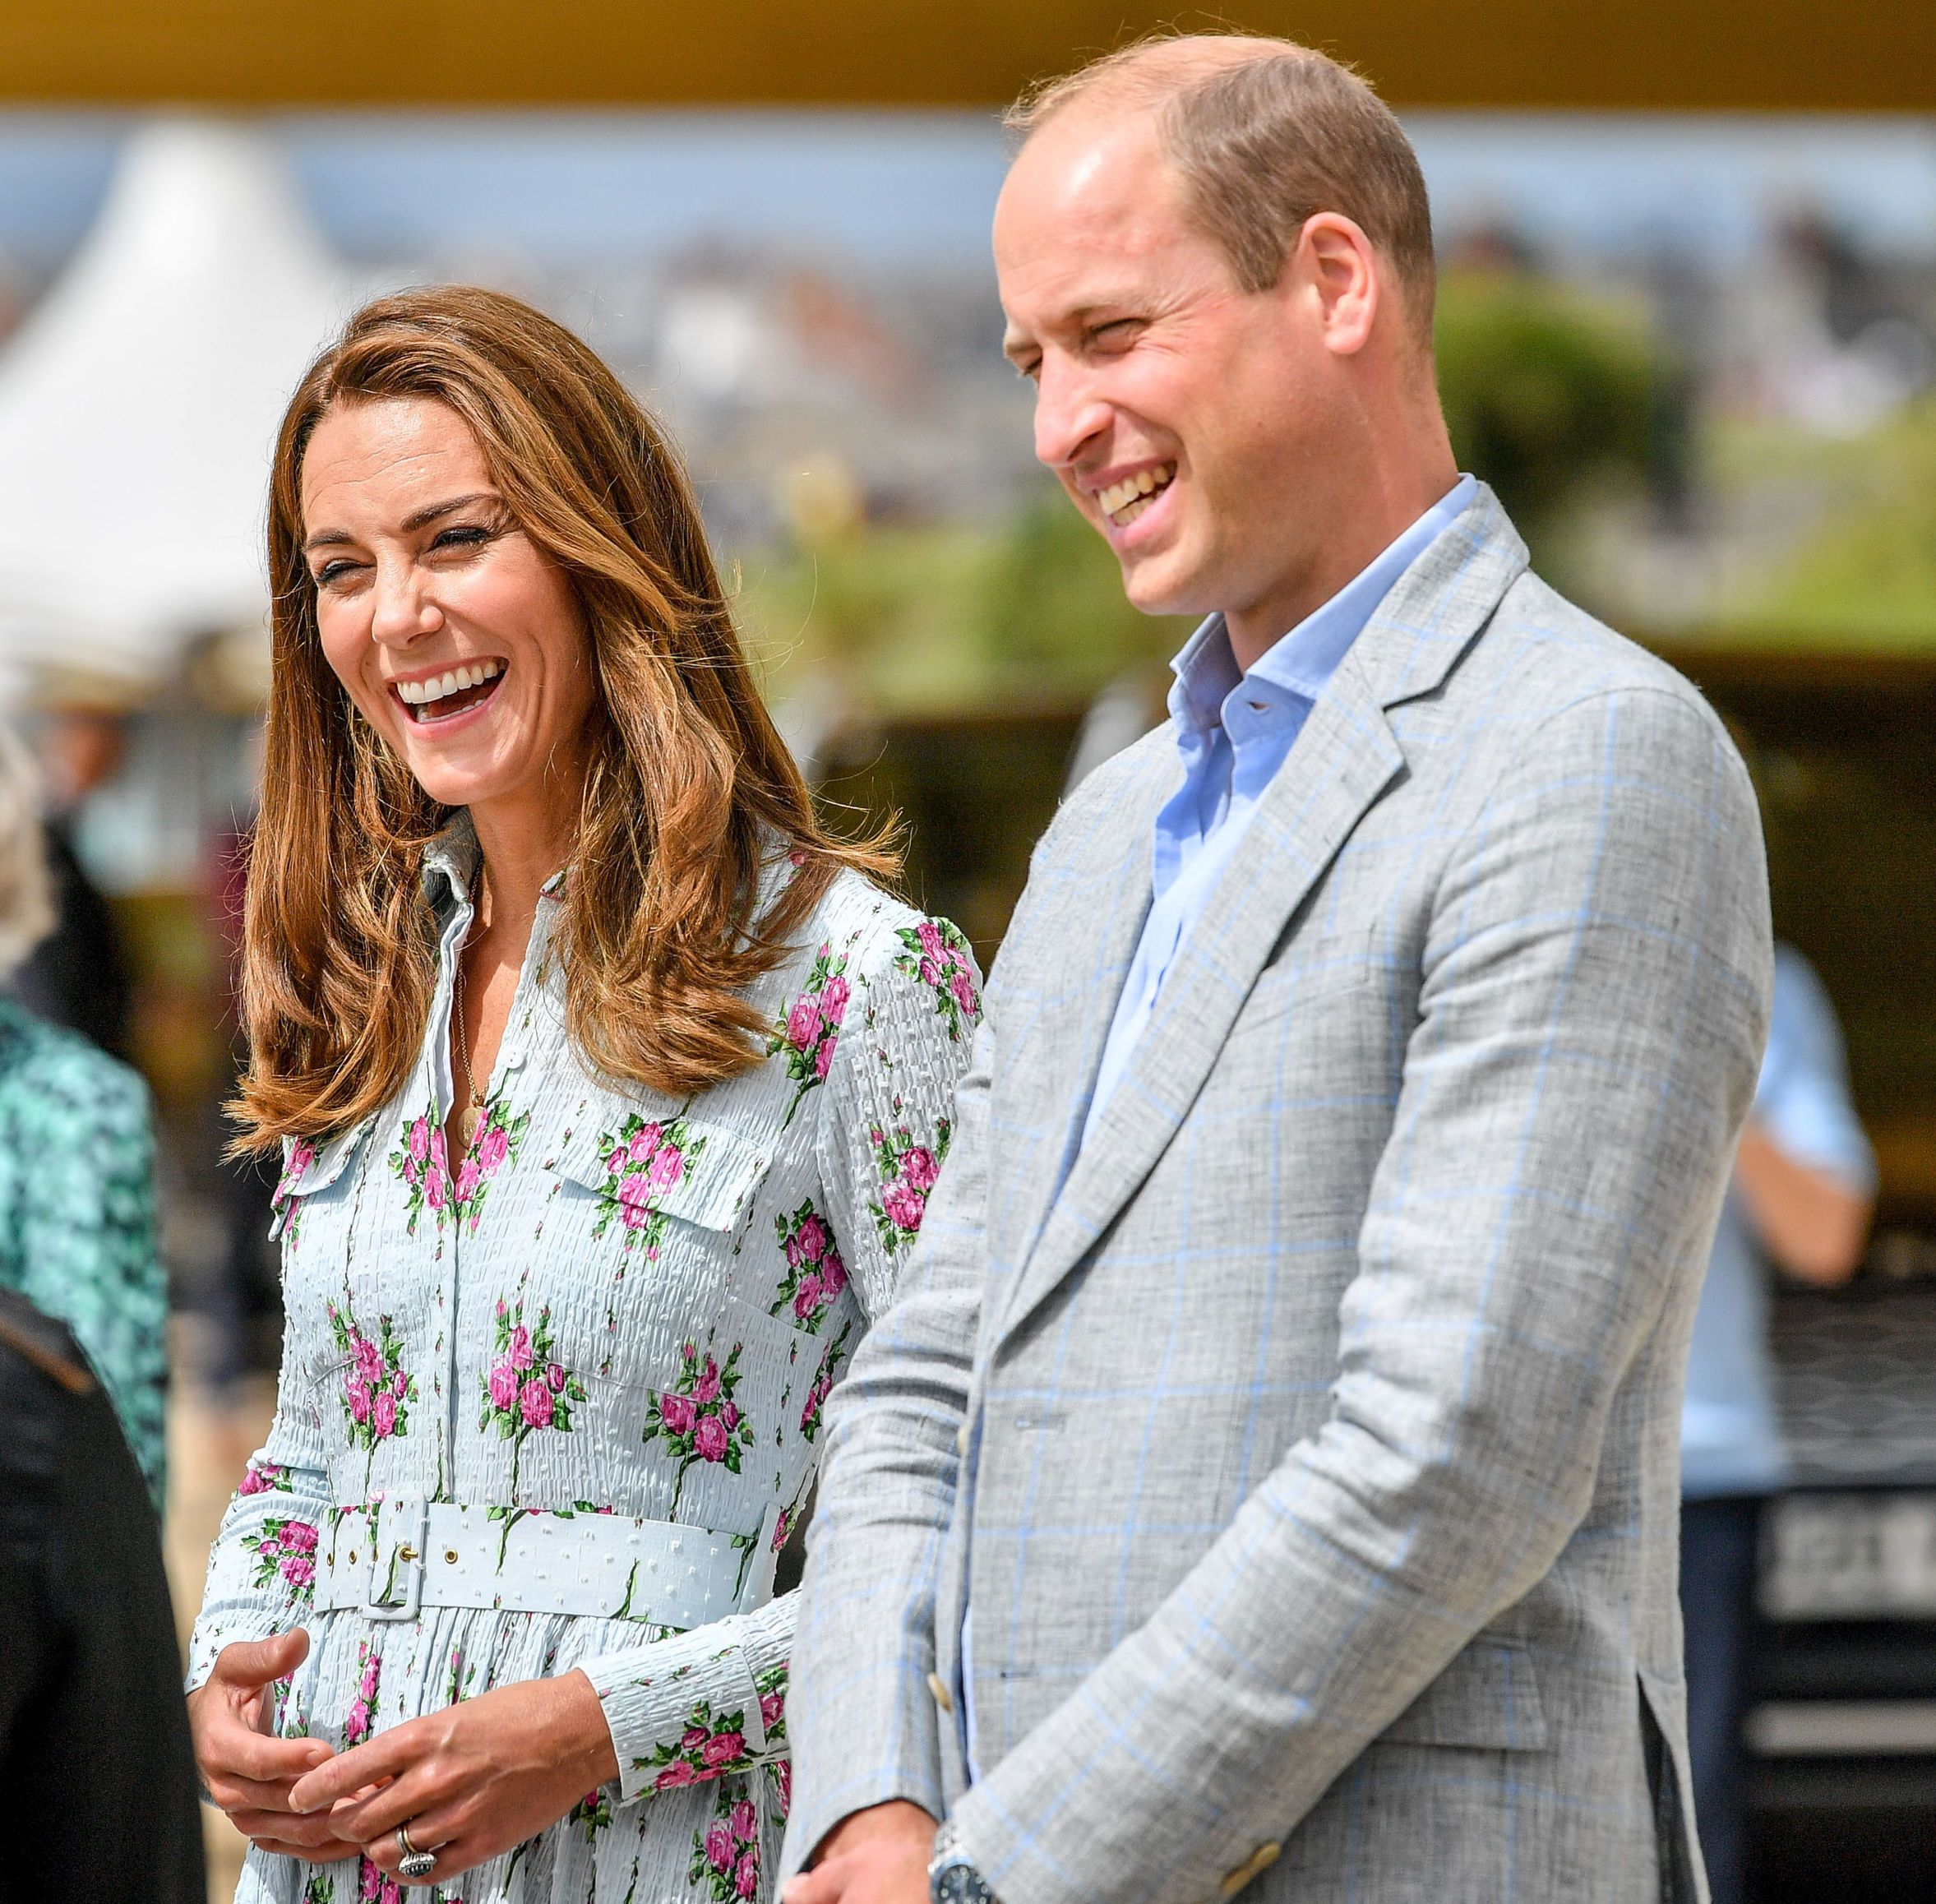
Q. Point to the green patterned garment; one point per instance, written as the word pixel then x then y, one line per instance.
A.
pixel 77 1213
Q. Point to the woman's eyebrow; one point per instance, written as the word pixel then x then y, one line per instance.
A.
pixel 417 519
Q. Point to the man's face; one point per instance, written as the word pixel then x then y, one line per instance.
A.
pixel 1175 407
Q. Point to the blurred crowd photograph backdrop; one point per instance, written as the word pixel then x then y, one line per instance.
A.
pixel 1686 329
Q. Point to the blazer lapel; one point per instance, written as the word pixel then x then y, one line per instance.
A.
pixel 1075 977
pixel 1341 763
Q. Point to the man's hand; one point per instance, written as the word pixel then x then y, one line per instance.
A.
pixel 876 1856
pixel 248 1772
pixel 474 1779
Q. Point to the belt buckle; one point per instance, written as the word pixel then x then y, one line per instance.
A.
pixel 397 1531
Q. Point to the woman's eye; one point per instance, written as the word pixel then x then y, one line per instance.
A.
pixel 467 537
pixel 331 573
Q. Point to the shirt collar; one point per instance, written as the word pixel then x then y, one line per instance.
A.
pixel 1302 662
pixel 451 865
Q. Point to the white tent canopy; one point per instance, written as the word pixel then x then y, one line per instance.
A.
pixel 138 409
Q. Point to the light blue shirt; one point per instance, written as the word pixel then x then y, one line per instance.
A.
pixel 1233 733
pixel 1731 1437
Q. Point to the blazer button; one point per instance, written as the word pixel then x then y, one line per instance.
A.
pixel 1261 1860
pixel 943 1698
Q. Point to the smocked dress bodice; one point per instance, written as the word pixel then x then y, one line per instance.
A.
pixel 559 1406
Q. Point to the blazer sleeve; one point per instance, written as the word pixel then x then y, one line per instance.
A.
pixel 1594 1000
pixel 698 1705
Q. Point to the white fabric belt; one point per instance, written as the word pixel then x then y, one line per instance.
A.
pixel 394 1557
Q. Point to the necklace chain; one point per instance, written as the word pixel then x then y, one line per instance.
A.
pixel 468 1119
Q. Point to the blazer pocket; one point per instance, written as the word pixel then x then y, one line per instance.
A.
pixel 1489 1696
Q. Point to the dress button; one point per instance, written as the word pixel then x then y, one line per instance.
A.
pixel 1261 1860
pixel 450 1555
pixel 961 1438
pixel 942 1697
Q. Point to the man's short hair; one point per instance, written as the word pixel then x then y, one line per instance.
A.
pixel 1263 134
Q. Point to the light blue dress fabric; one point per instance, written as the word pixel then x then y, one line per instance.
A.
pixel 617 1307
pixel 1731 1436
pixel 1233 733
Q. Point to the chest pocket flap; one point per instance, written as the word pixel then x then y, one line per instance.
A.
pixel 701 1172
pixel 308 1166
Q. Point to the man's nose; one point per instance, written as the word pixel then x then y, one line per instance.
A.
pixel 1068 413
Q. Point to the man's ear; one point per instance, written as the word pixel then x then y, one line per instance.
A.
pixel 1339 268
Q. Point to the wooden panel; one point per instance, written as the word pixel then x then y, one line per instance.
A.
pixel 1759 54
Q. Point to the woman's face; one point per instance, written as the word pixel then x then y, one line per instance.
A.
pixel 459 640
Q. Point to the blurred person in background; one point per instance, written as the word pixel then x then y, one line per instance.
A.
pixel 1267 1479
pixel 1803 1190
pixel 78 975
pixel 97 1782
pixel 77 1162
pixel 610 1088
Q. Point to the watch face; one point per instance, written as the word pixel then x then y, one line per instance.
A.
pixel 962 1885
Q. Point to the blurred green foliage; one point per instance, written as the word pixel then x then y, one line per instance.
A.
pixel 925 620
pixel 1866 578
pixel 1551 395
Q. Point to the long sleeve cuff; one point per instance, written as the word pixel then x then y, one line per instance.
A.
pixel 687 1710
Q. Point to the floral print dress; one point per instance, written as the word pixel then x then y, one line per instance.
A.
pixel 616 1305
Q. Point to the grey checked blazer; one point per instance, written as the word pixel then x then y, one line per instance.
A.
pixel 1321 1530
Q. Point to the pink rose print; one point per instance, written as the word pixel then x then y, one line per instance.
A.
pixel 265 1477
pixel 937 956
pixel 286 1548
pixel 643 1160
pixel 807 1031
pixel 420 1161
pixel 698 1419
pixel 780 1774
pixel 302 1155
pixel 373 1886
pixel 726 1854
pixel 520 1397
pixel 377 1389
pixel 594 1811
pixel 499 1138
pixel 815 1274
pixel 908 1172
pixel 363 1709
pixel 824 1378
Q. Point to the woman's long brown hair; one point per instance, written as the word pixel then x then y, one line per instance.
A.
pixel 689 786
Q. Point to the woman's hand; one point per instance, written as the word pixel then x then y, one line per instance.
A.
pixel 249 1773
pixel 474 1779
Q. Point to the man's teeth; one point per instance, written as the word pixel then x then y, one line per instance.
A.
pixel 421 693
pixel 1122 502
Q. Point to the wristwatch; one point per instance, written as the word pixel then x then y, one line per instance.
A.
pixel 952 1878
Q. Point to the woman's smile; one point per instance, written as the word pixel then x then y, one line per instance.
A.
pixel 435 698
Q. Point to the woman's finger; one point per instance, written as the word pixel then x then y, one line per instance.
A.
pixel 233 1794
pixel 387 1756
pixel 276 1831
pixel 238 1751
pixel 402 1801
pixel 455 1853
pixel 255 1662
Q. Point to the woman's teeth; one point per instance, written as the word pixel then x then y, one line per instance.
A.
pixel 424 696
pixel 1122 502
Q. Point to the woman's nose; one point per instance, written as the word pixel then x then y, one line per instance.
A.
pixel 402 610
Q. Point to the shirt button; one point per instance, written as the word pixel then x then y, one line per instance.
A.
pixel 942 1697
